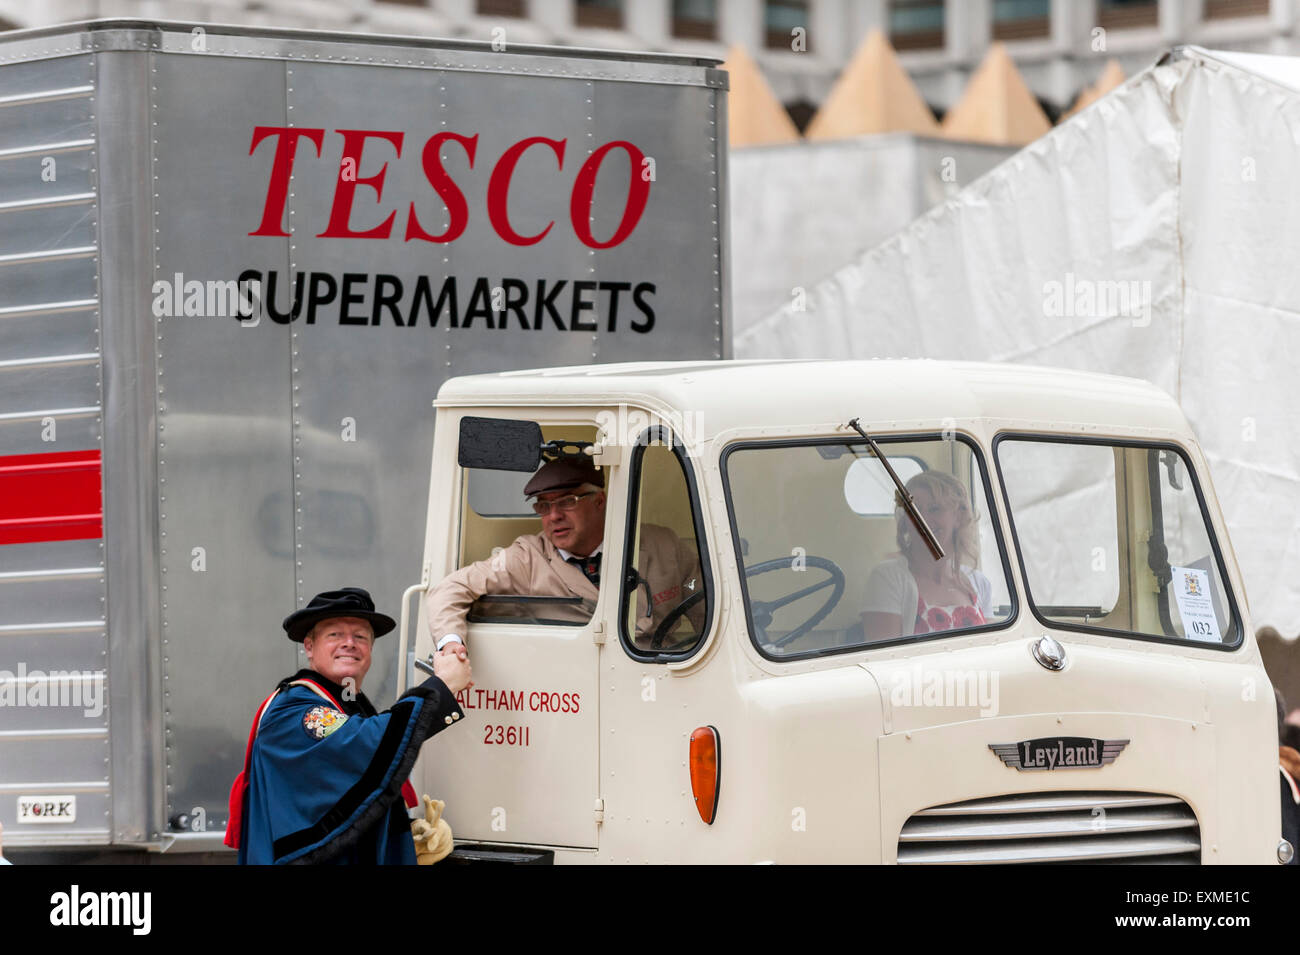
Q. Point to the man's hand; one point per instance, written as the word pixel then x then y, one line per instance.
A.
pixel 456 648
pixel 453 668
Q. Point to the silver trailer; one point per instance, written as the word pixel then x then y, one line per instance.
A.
pixel 235 267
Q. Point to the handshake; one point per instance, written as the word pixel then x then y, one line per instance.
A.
pixel 451 666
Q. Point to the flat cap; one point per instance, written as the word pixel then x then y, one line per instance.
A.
pixel 562 474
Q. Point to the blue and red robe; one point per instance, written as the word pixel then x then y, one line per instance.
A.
pixel 325 777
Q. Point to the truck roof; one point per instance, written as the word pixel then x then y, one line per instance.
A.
pixel 241 40
pixel 886 393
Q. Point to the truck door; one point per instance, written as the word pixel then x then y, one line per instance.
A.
pixel 522 768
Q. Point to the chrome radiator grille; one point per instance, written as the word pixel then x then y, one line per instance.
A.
pixel 1102 827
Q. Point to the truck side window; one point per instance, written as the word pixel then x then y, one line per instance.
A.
pixel 666 600
pixel 496 522
pixel 1114 539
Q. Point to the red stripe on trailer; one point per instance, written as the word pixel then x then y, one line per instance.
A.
pixel 50 497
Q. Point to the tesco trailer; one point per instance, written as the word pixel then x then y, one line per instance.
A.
pixel 235 267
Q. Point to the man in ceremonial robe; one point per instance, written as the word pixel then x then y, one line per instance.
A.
pixel 327 774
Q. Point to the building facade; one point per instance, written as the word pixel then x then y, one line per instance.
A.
pixel 801 45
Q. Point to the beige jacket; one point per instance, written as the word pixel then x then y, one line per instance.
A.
pixel 532 566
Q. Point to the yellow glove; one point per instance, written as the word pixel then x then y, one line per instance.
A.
pixel 421 831
pixel 433 840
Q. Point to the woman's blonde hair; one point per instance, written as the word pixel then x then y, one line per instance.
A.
pixel 964 548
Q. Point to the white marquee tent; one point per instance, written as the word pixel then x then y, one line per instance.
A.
pixel 1155 234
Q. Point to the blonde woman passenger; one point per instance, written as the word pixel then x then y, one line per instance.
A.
pixel 915 594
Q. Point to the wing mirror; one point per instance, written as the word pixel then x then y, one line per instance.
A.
pixel 499 444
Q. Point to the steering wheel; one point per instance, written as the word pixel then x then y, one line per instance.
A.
pixel 634 580
pixel 666 625
pixel 761 610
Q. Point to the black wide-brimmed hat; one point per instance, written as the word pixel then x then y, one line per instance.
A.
pixel 347 602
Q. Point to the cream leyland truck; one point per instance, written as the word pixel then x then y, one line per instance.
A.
pixel 1101 699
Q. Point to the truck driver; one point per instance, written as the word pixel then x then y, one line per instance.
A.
pixel 564 560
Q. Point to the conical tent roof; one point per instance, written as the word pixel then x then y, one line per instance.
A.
pixel 755 117
pixel 997 106
pixel 874 94
pixel 1111 77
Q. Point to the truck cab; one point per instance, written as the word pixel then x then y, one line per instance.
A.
pixel 809 691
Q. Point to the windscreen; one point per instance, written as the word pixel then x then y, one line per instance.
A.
pixel 831 562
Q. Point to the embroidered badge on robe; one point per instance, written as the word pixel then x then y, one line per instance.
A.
pixel 320 721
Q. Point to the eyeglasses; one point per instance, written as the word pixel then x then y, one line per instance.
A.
pixel 564 504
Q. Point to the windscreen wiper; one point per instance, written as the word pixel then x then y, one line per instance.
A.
pixel 908 504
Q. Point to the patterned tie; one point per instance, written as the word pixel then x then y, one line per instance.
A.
pixel 590 567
